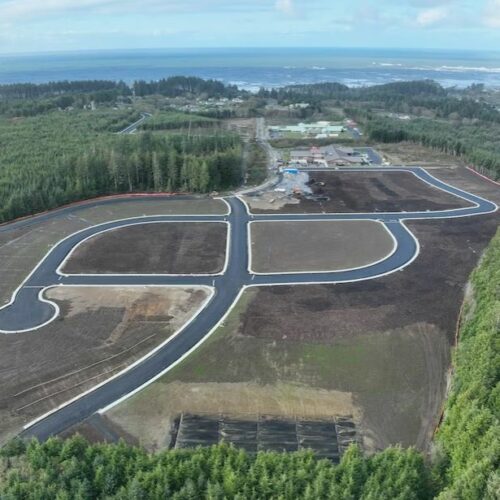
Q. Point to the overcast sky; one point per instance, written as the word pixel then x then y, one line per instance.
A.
pixel 47 25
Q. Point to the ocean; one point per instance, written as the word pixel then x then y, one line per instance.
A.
pixel 255 68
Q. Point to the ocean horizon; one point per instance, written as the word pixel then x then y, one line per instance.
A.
pixel 253 68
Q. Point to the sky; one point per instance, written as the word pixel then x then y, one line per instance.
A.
pixel 57 25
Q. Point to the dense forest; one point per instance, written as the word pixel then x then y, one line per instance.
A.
pixel 76 470
pixel 405 97
pixel 29 99
pixel 35 90
pixel 60 157
pixel 478 143
pixel 465 464
pixel 468 441
pixel 173 86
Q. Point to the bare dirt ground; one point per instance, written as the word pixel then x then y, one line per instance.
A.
pixel 465 179
pixel 152 422
pixel 407 153
pixel 449 251
pixel 97 429
pixel 382 347
pixel 100 331
pixel 22 249
pixel 160 248
pixel 366 192
pixel 317 245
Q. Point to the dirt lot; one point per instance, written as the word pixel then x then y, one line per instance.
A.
pixel 449 251
pixel 365 192
pixel 407 153
pixel 22 249
pixel 317 245
pixel 465 179
pixel 160 248
pixel 101 330
pixel 152 421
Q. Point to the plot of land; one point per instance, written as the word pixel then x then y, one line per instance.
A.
pixel 301 246
pixel 463 178
pixel 22 248
pixel 159 248
pixel 408 153
pixel 361 192
pixel 379 350
pixel 100 331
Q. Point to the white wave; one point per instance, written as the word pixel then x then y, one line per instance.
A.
pixel 456 69
pixel 479 69
pixel 387 65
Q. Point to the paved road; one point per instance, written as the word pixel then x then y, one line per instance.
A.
pixel 373 156
pixel 28 312
pixel 134 126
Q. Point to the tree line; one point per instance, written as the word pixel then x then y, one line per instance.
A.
pixel 173 86
pixel 176 86
pixel 125 164
pixel 478 144
pixel 468 441
pixel 401 97
pixel 76 470
pixel 36 90
pixel 397 96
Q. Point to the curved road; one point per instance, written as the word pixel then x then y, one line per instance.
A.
pixel 29 311
pixel 134 126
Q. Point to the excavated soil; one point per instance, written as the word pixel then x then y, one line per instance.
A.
pixel 160 248
pixel 348 192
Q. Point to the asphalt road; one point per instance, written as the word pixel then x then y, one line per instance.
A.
pixel 373 156
pixel 28 312
pixel 134 126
